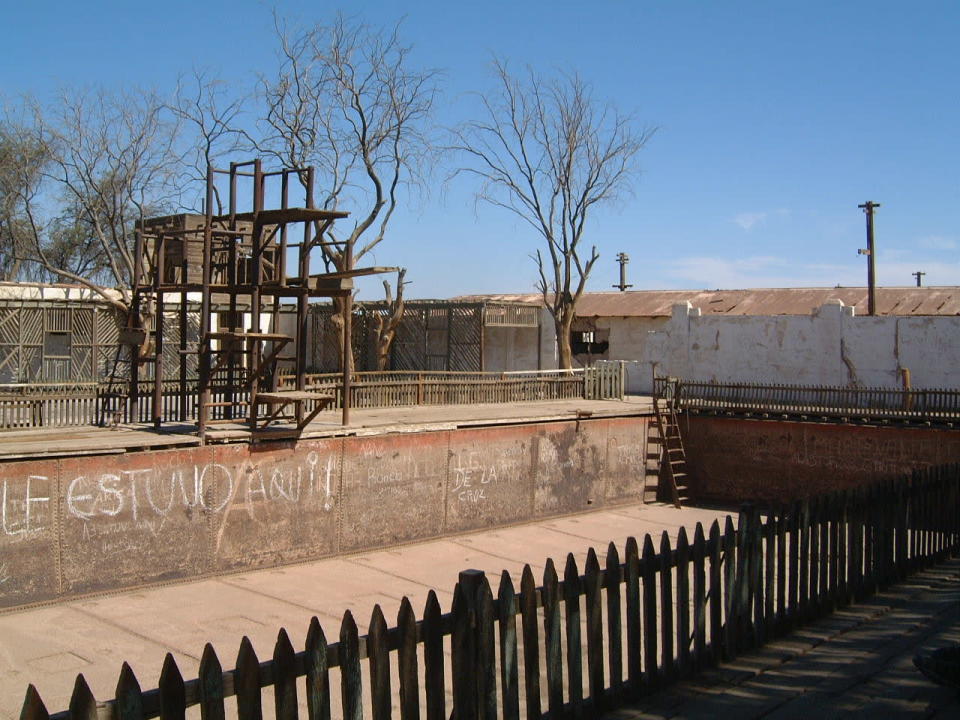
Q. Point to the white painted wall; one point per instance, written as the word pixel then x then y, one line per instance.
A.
pixel 509 348
pixel 831 346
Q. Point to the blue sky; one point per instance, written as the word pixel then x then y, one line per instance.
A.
pixel 775 120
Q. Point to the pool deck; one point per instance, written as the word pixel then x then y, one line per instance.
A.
pixel 60 442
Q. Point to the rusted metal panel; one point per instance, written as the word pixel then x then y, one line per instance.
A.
pixel 626 459
pixel 139 518
pixel 282 507
pixel 393 489
pixel 571 465
pixel 145 517
pixel 28 532
pixel 491 477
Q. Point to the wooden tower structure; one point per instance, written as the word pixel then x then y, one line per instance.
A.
pixel 242 262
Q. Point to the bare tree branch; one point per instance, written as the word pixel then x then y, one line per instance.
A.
pixel 547 152
pixel 348 100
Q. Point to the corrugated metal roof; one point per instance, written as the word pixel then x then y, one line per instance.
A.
pixel 943 300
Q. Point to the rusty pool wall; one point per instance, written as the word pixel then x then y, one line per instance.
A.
pixel 89 524
pixel 730 460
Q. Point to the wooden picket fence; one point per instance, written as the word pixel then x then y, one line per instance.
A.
pixel 586 643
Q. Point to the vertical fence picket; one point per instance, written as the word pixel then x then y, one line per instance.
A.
pixel 246 682
pixel 378 655
pixel 780 570
pixel 507 625
pixel 33 707
pixel 843 537
pixel 317 671
pixel 284 678
pixel 173 696
pixel 571 602
pixel 769 571
pixel 901 531
pixel 551 639
pixel 683 603
pixel 742 596
pixel 407 662
pixel 793 577
pixel 729 590
pixel 83 706
pixel 824 600
pixel 350 684
pixel 634 625
pixel 531 643
pixel 594 610
pixel 716 594
pixel 211 685
pixel 755 542
pixel 833 576
pixel 462 654
pixel 855 561
pixel 486 653
pixel 667 666
pixel 614 577
pixel 803 605
pixel 433 683
pixel 699 616
pixel 129 698
pixel 649 573
pixel 814 558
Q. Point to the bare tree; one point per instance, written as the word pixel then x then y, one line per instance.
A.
pixel 209 115
pixel 89 170
pixel 546 151
pixel 22 160
pixel 348 100
pixel 385 326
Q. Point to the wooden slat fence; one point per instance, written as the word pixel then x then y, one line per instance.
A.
pixel 630 623
pixel 26 406
pixel 47 405
pixel 920 405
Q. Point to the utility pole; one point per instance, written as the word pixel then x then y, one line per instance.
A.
pixel 623 260
pixel 918 274
pixel 868 208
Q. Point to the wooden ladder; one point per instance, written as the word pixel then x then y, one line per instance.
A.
pixel 673 459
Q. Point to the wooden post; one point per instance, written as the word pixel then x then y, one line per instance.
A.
pixel 467 703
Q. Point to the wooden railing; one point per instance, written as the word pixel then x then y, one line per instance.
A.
pixel 26 406
pixel 631 626
pixel 921 405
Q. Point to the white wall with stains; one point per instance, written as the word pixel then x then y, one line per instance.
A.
pixel 831 346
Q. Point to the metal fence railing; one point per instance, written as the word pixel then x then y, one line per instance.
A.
pixel 920 405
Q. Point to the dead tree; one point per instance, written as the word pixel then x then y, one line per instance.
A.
pixel 107 162
pixel 385 325
pixel 348 100
pixel 546 151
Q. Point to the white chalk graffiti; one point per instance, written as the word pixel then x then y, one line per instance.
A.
pixel 17 514
pixel 148 496
pixel 472 478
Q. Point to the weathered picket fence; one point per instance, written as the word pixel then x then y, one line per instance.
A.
pixel 631 626
pixel 27 406
pixel 927 405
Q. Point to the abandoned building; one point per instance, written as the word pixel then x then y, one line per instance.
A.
pixel 780 335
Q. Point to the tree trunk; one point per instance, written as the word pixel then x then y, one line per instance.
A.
pixel 562 327
pixel 337 318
